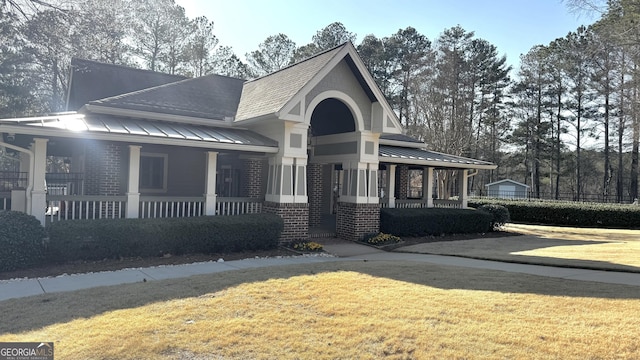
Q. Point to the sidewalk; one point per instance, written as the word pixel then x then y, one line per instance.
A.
pixel 342 250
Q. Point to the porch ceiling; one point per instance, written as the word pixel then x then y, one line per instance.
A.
pixel 105 127
pixel 412 156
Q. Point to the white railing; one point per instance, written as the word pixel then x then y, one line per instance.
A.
pixel 5 199
pixel 411 204
pixel 69 207
pixel 170 207
pixel 449 204
pixel 62 207
pixel 238 206
pixel 420 204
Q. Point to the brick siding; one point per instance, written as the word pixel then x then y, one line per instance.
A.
pixel 353 221
pixel 314 186
pixel 296 219
pixel 252 178
pixel 103 164
pixel 103 167
pixel 402 182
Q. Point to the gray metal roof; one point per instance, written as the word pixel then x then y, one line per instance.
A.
pixel 402 155
pixel 79 125
pixel 400 137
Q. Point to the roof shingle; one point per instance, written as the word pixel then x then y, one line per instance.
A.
pixel 268 94
pixel 210 97
pixel 92 80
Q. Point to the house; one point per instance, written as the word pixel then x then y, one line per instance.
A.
pixel 508 189
pixel 312 140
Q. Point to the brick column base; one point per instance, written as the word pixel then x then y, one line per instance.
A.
pixel 296 219
pixel 353 221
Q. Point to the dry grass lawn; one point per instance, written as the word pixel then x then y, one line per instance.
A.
pixel 337 310
pixel 608 249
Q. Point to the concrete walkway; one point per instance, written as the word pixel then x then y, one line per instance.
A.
pixel 342 250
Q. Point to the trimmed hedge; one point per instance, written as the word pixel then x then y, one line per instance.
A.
pixel 113 238
pixel 21 240
pixel 421 222
pixel 499 213
pixel 577 214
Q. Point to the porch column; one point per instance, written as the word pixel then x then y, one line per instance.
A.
pixel 464 179
pixel 133 185
pixel 287 195
pixel 391 171
pixel 210 186
pixel 38 203
pixel 427 184
pixel 359 205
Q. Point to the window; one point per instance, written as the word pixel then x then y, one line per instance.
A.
pixel 415 184
pixel 153 172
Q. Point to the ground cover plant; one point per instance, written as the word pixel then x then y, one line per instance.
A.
pixel 336 310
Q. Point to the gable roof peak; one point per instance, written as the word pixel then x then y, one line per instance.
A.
pixel 310 58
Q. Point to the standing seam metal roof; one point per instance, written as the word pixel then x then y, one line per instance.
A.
pixel 105 124
pixel 389 153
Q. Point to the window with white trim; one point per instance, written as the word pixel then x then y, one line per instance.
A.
pixel 153 172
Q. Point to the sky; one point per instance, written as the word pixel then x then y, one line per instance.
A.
pixel 513 26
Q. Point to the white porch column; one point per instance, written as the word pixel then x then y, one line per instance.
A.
pixel 210 185
pixel 372 174
pixel 38 203
pixel 392 185
pixel 300 181
pixel 464 179
pixel 427 183
pixel 133 186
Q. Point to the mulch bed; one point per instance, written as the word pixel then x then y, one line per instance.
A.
pixel 79 267
pixel 117 264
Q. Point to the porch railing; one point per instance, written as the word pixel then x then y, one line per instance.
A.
pixel 10 180
pixel 450 204
pixel 5 201
pixel 411 204
pixel 238 206
pixel 420 203
pixel 70 207
pixel 170 207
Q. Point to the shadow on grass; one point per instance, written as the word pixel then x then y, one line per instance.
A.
pixel 20 315
pixel 507 248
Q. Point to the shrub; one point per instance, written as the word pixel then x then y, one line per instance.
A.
pixel 622 216
pixel 381 239
pixel 433 221
pixel 21 240
pixel 499 213
pixel 112 238
pixel 306 246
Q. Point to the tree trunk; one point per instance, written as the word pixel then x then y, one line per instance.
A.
pixel 619 178
pixel 607 174
pixel 558 143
